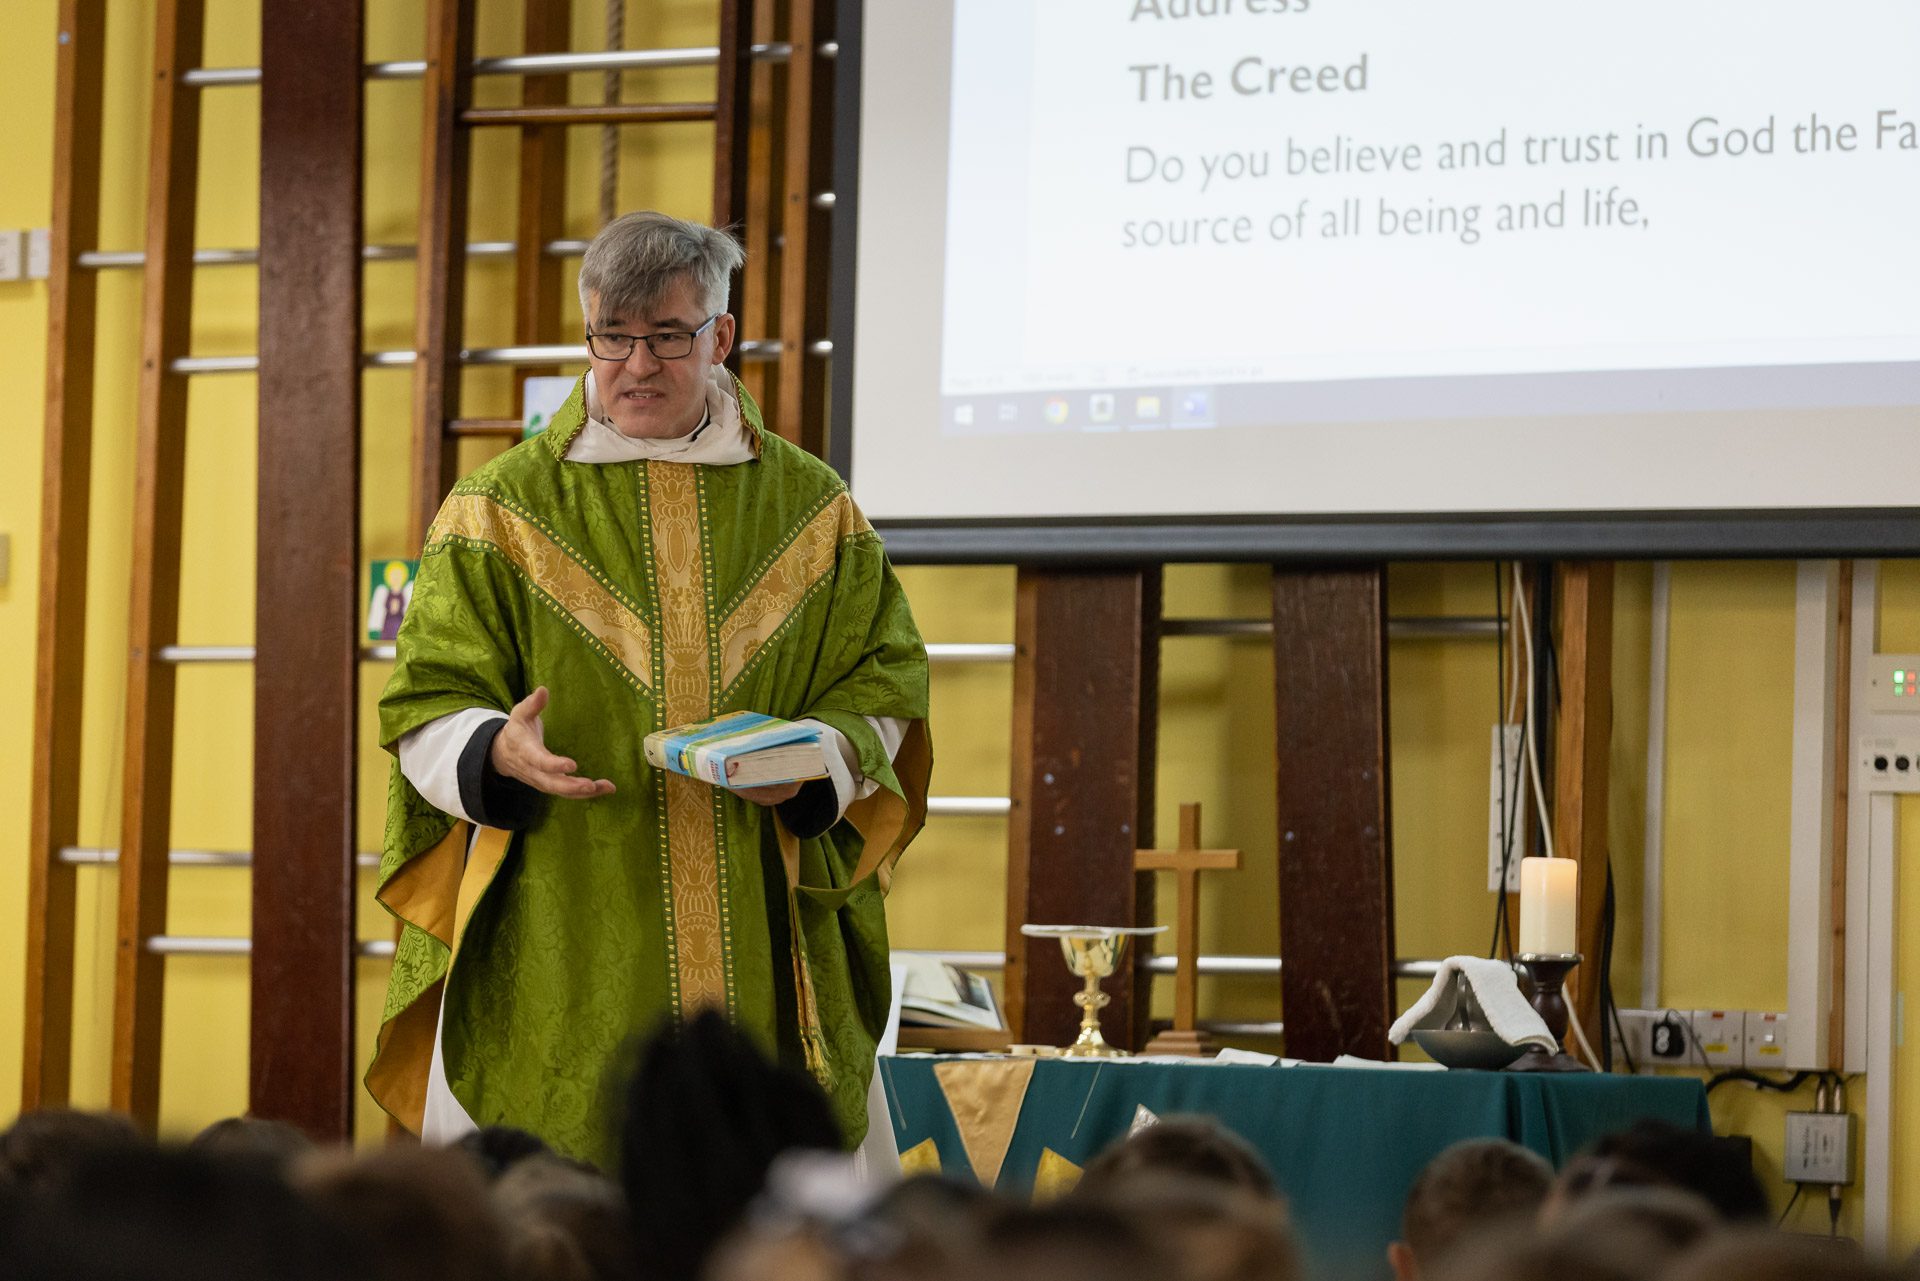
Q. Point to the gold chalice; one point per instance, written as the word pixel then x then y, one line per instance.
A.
pixel 1092 952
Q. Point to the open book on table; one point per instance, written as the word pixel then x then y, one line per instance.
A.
pixel 936 994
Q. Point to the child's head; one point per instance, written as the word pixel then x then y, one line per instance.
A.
pixel 1470 1187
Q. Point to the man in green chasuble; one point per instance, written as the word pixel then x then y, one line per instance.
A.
pixel 654 558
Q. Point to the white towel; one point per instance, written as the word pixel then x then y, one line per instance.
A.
pixel 1497 990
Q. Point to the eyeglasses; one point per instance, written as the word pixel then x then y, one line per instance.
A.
pixel 674 344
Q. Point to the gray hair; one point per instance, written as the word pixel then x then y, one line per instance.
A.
pixel 638 257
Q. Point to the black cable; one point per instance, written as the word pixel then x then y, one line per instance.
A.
pixel 1836 1083
pixel 1553 655
pixel 1545 687
pixel 1499 722
pixel 1606 964
pixel 1760 1082
pixel 1502 932
pixel 1510 821
pixel 1798 1188
pixel 1692 1037
pixel 1621 1030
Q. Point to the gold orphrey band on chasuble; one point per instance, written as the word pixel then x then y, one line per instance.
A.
pixel 773 598
pixel 686 677
pixel 592 608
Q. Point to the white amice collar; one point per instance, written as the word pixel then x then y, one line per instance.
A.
pixel 721 440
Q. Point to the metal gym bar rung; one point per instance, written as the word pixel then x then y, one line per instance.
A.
pixel 94 856
pixel 1162 963
pixel 529 64
pixel 232 945
pixel 968 652
pixel 125 259
pixel 961 653
pixel 752 350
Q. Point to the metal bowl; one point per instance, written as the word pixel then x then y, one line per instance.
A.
pixel 1477 1048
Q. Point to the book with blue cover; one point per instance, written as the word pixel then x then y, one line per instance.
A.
pixel 740 749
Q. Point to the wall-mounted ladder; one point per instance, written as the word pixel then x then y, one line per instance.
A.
pixel 306 650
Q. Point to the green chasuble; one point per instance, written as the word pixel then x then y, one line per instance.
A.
pixel 644 595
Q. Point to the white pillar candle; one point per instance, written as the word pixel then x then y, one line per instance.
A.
pixel 1549 889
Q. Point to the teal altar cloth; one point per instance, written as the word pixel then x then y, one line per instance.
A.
pixel 1344 1143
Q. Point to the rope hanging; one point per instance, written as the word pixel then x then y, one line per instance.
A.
pixel 610 134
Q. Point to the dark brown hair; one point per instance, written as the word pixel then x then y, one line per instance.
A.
pixel 1471 1186
pixel 1192 1146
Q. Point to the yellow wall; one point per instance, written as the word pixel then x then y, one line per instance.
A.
pixel 26 71
pixel 1728 707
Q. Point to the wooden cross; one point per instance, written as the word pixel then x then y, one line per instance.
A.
pixel 1187 861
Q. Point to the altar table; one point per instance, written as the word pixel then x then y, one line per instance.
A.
pixel 1344 1144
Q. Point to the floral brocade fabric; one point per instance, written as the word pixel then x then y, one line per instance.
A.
pixel 646 595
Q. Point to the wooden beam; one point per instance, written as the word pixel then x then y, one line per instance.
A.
pixel 1583 734
pixel 487 428
pixel 173 161
pixel 732 121
pixel 441 260
pixel 1085 690
pixel 66 469
pixel 816 375
pixel 306 669
pixel 797 254
pixel 732 145
pixel 1336 873
pixel 757 305
pixel 543 194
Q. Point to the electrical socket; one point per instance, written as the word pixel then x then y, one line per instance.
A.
pixel 13 249
pixel 1888 764
pixel 1670 1037
pixel 1819 1147
pixel 1752 1039
pixel 1766 1042
pixel 1722 1036
pixel 1634 1036
pixel 1514 813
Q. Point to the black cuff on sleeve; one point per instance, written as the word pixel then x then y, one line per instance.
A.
pixel 814 809
pixel 490 798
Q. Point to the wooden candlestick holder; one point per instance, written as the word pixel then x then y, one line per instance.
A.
pixel 1546 974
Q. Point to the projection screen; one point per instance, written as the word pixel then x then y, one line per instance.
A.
pixel 1381 274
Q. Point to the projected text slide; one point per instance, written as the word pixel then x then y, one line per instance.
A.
pixel 1222 194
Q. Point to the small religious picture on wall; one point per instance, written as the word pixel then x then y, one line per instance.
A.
pixel 540 400
pixel 389 588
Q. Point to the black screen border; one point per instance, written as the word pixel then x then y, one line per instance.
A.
pixel 1623 535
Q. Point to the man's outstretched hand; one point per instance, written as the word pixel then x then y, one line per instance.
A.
pixel 520 751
